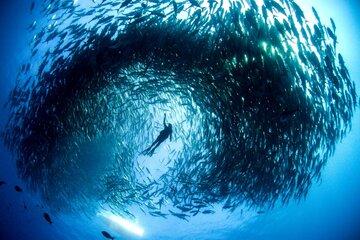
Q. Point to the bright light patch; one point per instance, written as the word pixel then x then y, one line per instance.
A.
pixel 123 223
pixel 264 45
pixel 259 2
pixel 226 5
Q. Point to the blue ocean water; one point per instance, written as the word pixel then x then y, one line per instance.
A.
pixel 330 211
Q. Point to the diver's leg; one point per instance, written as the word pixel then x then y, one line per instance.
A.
pixel 155 142
pixel 146 151
pixel 150 153
pixel 156 146
pixel 149 150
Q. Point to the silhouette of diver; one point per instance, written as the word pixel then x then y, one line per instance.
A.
pixel 164 134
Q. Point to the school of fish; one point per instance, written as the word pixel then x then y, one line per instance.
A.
pixel 257 95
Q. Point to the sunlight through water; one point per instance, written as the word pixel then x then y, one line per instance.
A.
pixel 123 223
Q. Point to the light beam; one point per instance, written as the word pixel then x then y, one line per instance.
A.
pixel 123 223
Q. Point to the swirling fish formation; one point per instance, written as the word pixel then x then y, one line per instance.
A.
pixel 258 97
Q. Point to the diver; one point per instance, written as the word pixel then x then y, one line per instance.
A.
pixel 164 134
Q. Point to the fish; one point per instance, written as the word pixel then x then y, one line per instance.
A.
pixel 180 215
pixel 47 218
pixel 208 211
pixel 2 183
pixel 316 14
pixel 175 7
pixel 331 34
pixel 32 26
pixel 277 6
pixel 195 212
pixel 158 214
pixel 107 235
pixel 32 6
pixel 333 25
pixel 184 209
pixel 298 12
pixel 18 189
pixel 159 14
pixel 125 3
pixel 194 3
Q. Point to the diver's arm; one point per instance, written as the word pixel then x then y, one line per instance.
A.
pixel 164 120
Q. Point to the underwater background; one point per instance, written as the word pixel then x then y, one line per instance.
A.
pixel 329 211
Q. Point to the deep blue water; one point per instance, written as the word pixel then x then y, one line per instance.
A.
pixel 330 211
